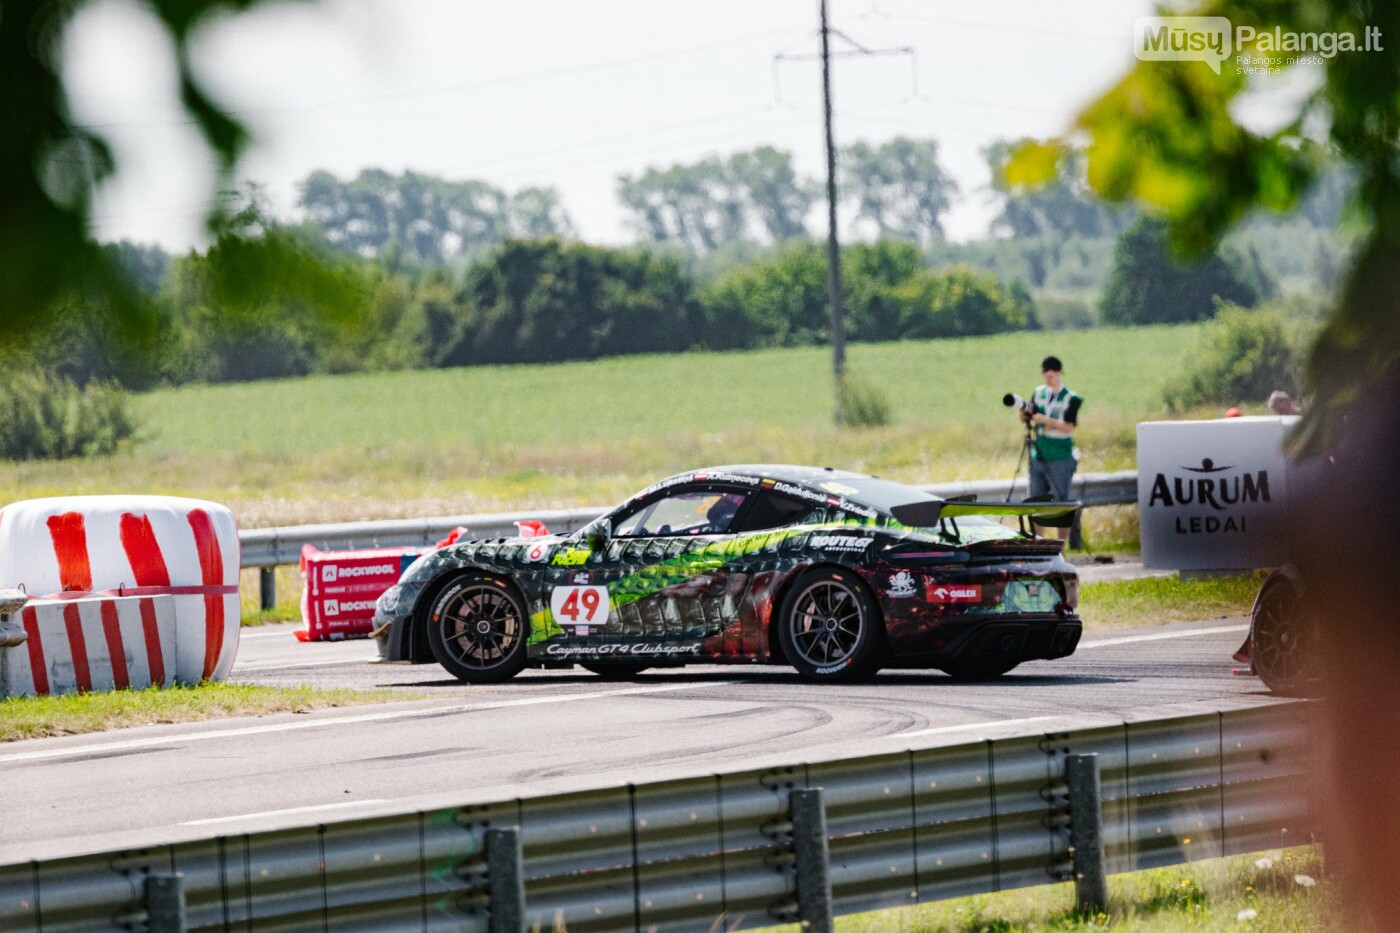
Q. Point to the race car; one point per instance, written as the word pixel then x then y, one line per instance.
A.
pixel 835 573
pixel 1282 647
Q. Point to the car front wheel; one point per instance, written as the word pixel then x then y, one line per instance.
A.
pixel 830 628
pixel 1284 634
pixel 477 629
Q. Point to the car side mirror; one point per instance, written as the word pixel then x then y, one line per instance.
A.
pixel 597 539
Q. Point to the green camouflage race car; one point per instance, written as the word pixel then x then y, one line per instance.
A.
pixel 834 573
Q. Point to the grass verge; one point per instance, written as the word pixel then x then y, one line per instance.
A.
pixel 1274 892
pixel 1158 600
pixel 40 717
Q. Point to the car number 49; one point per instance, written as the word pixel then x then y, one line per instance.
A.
pixel 579 605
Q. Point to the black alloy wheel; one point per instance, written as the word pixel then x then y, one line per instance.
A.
pixel 477 629
pixel 830 628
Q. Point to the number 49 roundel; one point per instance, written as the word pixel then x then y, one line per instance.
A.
pixel 579 605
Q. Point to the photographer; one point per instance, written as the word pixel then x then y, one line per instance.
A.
pixel 1054 411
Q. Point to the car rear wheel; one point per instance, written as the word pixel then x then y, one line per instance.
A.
pixel 614 671
pixel 830 628
pixel 1284 634
pixel 477 629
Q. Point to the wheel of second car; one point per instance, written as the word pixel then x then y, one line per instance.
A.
pixel 477 629
pixel 1284 634
pixel 829 627
pixel 613 671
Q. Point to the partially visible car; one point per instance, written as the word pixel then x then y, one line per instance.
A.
pixel 1282 647
pixel 835 573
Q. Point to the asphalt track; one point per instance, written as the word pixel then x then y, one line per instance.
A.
pixel 553 731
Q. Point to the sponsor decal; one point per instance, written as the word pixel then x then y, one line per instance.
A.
pixel 901 585
pixel 330 573
pixel 838 542
pixel 581 630
pixel 536 552
pixel 946 593
pixel 579 605
pixel 1219 488
pixel 571 558
pixel 841 489
pixel 335 607
pixel 833 668
pixel 582 578
pixel 635 650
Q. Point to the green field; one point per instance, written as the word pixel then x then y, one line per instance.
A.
pixel 341 448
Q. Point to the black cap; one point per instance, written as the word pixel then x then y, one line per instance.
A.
pixel 1051 364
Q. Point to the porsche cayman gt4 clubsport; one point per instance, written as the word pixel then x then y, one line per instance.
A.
pixel 836 574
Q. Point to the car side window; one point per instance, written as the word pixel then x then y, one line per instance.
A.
pixel 692 512
pixel 775 510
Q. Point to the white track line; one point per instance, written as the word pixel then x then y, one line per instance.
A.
pixel 999 723
pixel 287 812
pixel 275 666
pixel 1162 636
pixel 221 734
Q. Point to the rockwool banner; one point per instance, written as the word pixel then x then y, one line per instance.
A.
pixel 1213 495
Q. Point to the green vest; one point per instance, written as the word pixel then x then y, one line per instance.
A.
pixel 1051 444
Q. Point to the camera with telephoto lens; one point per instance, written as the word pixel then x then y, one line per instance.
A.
pixel 1012 400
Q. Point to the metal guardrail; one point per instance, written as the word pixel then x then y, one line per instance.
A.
pixel 730 850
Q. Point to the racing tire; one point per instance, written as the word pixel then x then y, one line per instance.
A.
pixel 1284 635
pixel 477 629
pixel 976 670
pixel 614 671
pixel 829 627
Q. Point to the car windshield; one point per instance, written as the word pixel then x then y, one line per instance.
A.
pixel 694 512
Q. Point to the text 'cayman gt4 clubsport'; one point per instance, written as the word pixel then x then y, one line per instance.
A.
pixel 836 574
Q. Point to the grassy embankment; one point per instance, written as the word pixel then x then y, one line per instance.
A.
pixel 37 717
pixel 1274 892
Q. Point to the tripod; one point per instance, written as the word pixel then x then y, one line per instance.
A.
pixel 1032 462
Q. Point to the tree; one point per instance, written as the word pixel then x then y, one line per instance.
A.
pixel 1148 285
pixel 900 187
pixel 545 301
pixel 1064 206
pixel 775 195
pixel 711 203
pixel 430 219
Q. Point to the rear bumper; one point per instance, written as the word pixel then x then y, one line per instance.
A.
pixel 995 638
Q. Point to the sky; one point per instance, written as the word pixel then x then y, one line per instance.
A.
pixel 573 93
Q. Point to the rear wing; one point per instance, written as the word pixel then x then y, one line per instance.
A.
pixel 935 512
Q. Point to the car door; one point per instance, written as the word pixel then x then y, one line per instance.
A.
pixel 661 579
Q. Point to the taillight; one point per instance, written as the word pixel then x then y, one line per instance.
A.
pixel 1072 592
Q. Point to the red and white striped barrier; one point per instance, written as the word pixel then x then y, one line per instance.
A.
pixel 100 643
pixel 84 546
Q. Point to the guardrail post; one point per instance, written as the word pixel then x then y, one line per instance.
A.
pixel 505 879
pixel 1086 831
pixel 267 587
pixel 165 903
pixel 813 859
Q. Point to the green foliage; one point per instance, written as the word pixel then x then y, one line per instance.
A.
pixel 543 300
pixel 50 164
pixel 425 218
pixel 899 187
pixel 776 302
pixel 1056 313
pixel 48 417
pixel 863 404
pixel 1244 355
pixel 1149 285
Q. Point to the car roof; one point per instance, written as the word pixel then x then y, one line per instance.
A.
pixel 871 492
